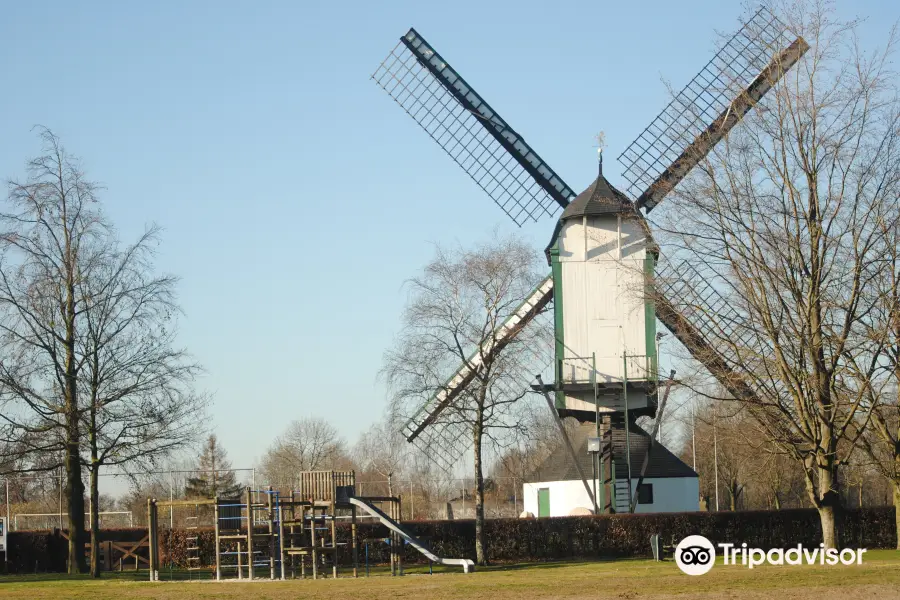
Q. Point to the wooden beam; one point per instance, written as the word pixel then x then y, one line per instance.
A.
pixel 176 503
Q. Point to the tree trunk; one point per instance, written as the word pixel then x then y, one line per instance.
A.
pixel 829 506
pixel 74 484
pixel 75 497
pixel 828 518
pixel 95 516
pixel 480 540
pixel 896 486
pixel 94 469
pixel 734 489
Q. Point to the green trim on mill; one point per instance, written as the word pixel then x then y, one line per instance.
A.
pixel 556 272
pixel 650 315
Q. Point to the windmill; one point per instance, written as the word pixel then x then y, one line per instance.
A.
pixel 608 284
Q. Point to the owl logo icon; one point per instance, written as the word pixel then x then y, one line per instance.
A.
pixel 695 555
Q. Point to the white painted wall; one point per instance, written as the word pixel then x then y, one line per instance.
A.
pixel 670 494
pixel 602 281
pixel 602 264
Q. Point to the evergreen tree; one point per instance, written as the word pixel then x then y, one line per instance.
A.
pixel 214 474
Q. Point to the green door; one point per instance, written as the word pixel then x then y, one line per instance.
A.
pixel 544 502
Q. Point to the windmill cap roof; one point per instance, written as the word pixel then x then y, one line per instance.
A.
pixel 600 198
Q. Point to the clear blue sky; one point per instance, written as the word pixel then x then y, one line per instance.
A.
pixel 296 197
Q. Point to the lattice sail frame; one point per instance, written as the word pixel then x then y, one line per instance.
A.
pixel 462 123
pixel 734 67
pixel 698 300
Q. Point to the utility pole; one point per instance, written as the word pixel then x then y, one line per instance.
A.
pixel 6 529
pixel 59 496
pixel 693 435
pixel 7 506
pixel 171 499
pixel 716 459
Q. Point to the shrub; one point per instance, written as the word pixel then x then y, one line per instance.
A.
pixel 517 540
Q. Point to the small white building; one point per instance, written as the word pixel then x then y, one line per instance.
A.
pixel 555 488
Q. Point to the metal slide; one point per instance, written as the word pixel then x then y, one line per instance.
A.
pixel 467 565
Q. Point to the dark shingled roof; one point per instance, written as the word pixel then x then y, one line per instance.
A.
pixel 559 467
pixel 600 198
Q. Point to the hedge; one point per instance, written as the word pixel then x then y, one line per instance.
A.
pixel 524 540
pixel 625 536
pixel 47 551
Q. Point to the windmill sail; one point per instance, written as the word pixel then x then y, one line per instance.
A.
pixel 696 313
pixel 703 113
pixel 699 116
pixel 445 396
pixel 496 157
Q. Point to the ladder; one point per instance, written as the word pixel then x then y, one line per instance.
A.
pixel 621 496
pixel 192 527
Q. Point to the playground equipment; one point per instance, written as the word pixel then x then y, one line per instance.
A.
pixel 396 529
pixel 278 532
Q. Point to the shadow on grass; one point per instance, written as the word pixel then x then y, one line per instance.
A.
pixel 556 564
pixel 37 577
pixel 345 572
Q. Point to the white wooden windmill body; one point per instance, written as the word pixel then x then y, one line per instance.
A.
pixel 602 261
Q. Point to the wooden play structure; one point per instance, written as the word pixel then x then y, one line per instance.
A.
pixel 270 534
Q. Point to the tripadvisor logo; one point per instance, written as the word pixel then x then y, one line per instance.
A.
pixel 696 555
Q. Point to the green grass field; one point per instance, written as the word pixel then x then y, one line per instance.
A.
pixel 878 577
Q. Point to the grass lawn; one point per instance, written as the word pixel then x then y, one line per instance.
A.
pixel 878 577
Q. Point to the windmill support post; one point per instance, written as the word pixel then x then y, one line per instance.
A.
pixel 653 442
pixel 565 437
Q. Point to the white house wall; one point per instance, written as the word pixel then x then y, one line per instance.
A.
pixel 670 494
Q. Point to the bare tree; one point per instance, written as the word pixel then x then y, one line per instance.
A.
pixel 382 450
pixel 455 308
pixel 138 387
pixel 882 444
pixel 881 439
pixel 141 487
pixel 51 229
pixel 307 444
pixel 786 219
pixel 725 454
pixel 775 478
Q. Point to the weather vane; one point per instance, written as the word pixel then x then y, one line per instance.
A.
pixel 600 138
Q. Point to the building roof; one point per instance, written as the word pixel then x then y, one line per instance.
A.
pixel 559 467
pixel 600 198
